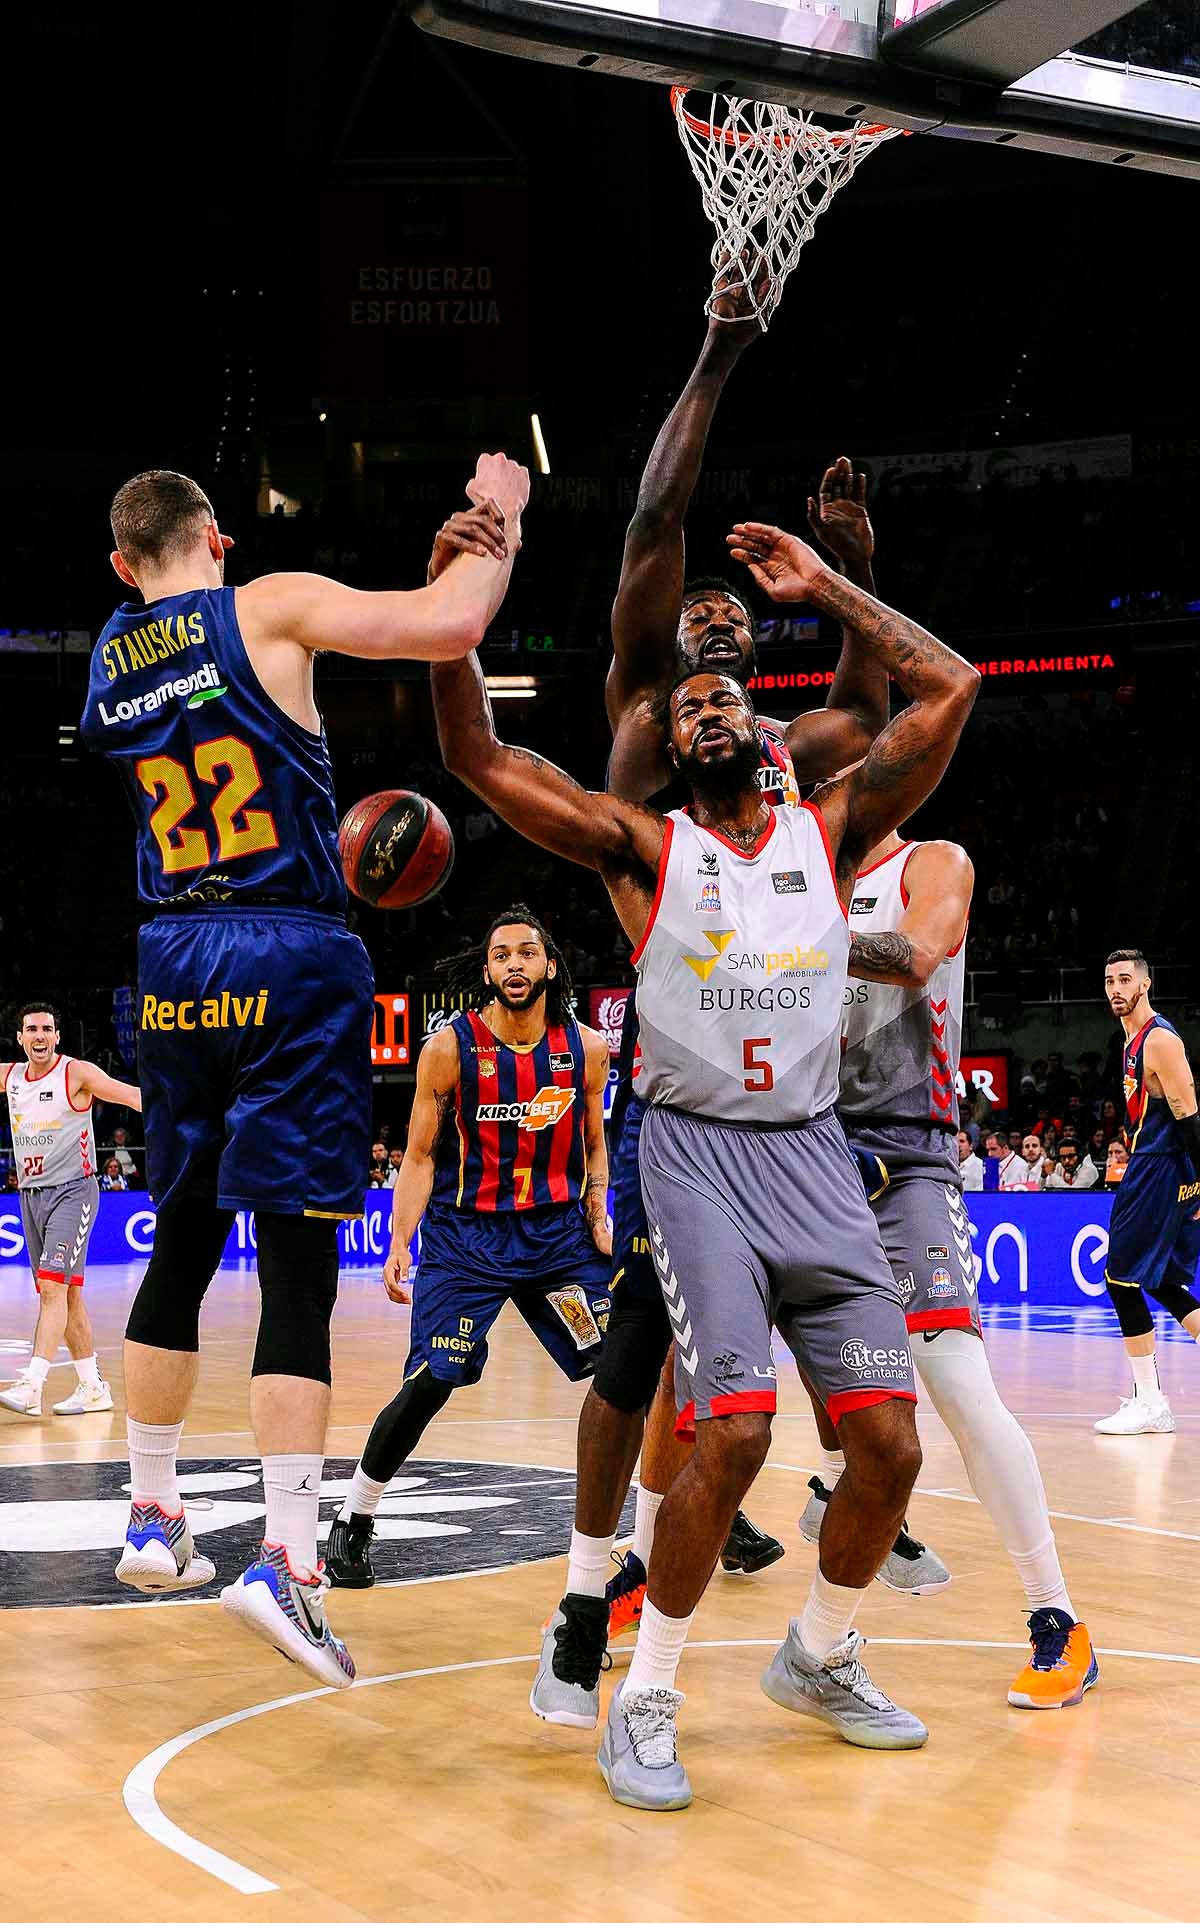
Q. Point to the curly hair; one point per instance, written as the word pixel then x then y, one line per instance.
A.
pixel 466 973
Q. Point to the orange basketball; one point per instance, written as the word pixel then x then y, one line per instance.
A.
pixel 396 848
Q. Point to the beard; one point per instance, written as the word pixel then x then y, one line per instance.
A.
pixel 536 992
pixel 726 779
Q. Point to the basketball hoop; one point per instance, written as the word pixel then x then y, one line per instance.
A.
pixel 766 175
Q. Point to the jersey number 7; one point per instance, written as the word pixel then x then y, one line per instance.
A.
pixel 240 830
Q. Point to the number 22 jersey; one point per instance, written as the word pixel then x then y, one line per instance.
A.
pixel 233 799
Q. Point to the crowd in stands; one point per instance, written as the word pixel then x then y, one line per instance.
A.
pixel 1064 1130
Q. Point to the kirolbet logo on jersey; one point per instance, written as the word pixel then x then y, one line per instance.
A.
pixel 887 1365
pixel 546 1108
pixel 204 685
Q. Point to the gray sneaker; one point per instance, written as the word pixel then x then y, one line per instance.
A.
pixel 566 1688
pixel 637 1754
pixel 839 1692
pixel 909 1566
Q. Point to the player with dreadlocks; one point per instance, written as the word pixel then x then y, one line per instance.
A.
pixel 506 1170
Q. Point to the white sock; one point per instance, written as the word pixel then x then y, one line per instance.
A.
pixel 88 1370
pixel 364 1496
pixel 1146 1384
pixel 1042 1577
pixel 999 1459
pixel 37 1368
pixel 153 1447
pixel 827 1617
pixel 645 1515
pixel 657 1650
pixel 587 1564
pixel 833 1461
pixel 292 1486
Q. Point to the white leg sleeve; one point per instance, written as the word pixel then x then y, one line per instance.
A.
pixel 998 1457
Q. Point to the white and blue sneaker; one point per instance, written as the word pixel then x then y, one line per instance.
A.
pixel 288 1611
pixel 637 1758
pixel 159 1555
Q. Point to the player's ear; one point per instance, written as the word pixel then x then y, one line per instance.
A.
pixel 551 969
pixel 121 568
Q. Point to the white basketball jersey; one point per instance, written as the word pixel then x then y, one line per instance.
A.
pixel 901 1046
pixel 741 973
pixel 53 1140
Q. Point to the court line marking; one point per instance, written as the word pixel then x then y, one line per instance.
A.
pixel 138 1790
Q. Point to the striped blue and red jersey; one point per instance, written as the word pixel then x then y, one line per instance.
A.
pixel 514 1140
pixel 1149 1124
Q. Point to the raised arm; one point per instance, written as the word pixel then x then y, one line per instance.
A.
pixel 1166 1058
pixel 909 758
pixel 441 621
pixel 595 1191
pixel 85 1078
pixel 938 880
pixel 437 1078
pixel 856 709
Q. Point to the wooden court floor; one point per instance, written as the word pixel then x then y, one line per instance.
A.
pixel 159 1762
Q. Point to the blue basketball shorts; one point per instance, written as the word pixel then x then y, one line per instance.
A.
pixel 1152 1237
pixel 254 1058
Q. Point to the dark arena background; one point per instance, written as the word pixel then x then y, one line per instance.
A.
pixel 318 259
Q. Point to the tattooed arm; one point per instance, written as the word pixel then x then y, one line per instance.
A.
pixel 437 1080
pixel 599 831
pixel 938 879
pixel 906 762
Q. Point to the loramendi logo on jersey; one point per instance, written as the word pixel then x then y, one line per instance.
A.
pixel 62 1524
pixel 204 685
pixel 546 1108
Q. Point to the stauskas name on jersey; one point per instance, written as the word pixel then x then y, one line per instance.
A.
pixel 154 641
pixel 543 1110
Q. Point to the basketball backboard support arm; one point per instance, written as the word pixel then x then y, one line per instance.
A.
pixel 830 64
pixel 994 42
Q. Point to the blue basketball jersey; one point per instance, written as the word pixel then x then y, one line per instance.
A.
pixel 233 799
pixel 1150 1127
pixel 515 1138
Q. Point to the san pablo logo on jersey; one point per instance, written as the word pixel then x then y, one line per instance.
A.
pixel 204 685
pixel 770 961
pixel 543 1110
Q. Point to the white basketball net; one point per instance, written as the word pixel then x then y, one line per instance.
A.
pixel 766 174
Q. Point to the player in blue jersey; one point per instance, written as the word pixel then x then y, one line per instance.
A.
pixel 1154 1229
pixel 506 1171
pixel 664 625
pixel 256 1001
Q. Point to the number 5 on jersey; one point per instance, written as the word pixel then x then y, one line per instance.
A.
pixel 759 1076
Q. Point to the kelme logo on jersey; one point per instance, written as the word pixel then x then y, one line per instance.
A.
pixel 204 685
pixel 546 1108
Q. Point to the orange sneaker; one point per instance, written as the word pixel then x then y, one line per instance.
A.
pixel 625 1595
pixel 1062 1667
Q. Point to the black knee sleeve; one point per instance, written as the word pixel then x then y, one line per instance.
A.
pixel 631 1358
pixel 1132 1313
pixel 298 1277
pixel 188 1239
pixel 1176 1300
pixel 399 1427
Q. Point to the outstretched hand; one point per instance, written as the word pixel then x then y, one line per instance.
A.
pixel 738 290
pixel 838 517
pixel 473 530
pixel 501 480
pixel 782 565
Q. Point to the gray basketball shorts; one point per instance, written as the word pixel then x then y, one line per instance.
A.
pixel 752 1227
pixel 926 1235
pixel 58 1224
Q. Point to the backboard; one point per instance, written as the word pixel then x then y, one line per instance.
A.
pixel 1129 96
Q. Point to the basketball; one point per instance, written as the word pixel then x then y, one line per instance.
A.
pixel 396 849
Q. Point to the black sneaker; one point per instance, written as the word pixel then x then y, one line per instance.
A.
pixel 748 1549
pixel 566 1688
pixel 348 1553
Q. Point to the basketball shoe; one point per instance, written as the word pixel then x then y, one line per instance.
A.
pixel 159 1554
pixel 566 1688
pixel 1137 1416
pixel 1063 1665
pixel 625 1595
pixel 909 1566
pixel 838 1691
pixel 637 1757
pixel 748 1548
pixel 86 1399
pixel 348 1554
pixel 24 1398
pixel 288 1611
